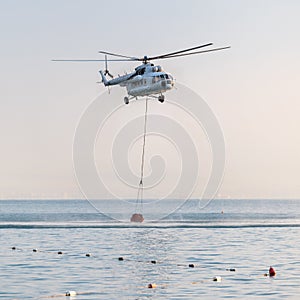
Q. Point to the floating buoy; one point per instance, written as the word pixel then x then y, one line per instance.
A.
pixel 153 261
pixel 34 250
pixel 272 272
pixel 217 278
pixel 152 286
pixel 59 253
pixel 13 248
pixel 120 258
pixel 71 293
pixel 191 266
pixel 88 254
pixel 137 218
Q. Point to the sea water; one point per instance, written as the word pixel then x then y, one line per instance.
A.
pixel 246 236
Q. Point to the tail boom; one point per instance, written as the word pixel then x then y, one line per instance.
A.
pixel 114 81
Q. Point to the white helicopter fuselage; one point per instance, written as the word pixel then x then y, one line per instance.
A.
pixel 149 84
pixel 147 80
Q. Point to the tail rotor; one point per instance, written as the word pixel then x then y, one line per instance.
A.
pixel 106 72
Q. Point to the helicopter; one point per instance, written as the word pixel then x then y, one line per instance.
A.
pixel 147 80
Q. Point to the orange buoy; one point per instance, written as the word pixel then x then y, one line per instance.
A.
pixel 272 272
pixel 152 285
pixel 138 218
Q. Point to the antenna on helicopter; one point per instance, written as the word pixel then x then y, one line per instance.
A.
pixel 106 72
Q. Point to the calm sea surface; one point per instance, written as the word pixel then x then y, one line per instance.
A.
pixel 249 236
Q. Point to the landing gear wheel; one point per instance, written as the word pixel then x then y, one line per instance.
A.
pixel 161 98
pixel 126 100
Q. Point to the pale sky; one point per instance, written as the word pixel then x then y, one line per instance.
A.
pixel 253 88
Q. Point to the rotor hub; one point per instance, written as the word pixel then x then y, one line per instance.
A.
pixel 145 59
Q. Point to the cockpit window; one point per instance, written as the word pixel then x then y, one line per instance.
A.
pixel 141 71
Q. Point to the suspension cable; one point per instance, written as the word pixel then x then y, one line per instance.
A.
pixel 140 195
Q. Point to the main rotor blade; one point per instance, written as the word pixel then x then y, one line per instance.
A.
pixel 197 52
pixel 90 60
pixel 177 52
pixel 118 55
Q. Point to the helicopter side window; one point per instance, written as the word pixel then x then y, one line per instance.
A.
pixel 155 79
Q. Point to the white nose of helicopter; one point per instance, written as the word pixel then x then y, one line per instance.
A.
pixel 168 83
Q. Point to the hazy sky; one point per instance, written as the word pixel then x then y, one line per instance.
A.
pixel 253 88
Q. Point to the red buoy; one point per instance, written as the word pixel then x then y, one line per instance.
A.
pixel 272 272
pixel 138 218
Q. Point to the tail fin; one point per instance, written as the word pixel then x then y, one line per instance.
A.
pixel 104 80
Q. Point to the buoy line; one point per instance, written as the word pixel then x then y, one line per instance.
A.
pixel 271 272
pixel 120 258
pixel 72 293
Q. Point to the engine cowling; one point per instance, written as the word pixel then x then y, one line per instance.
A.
pixel 157 69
